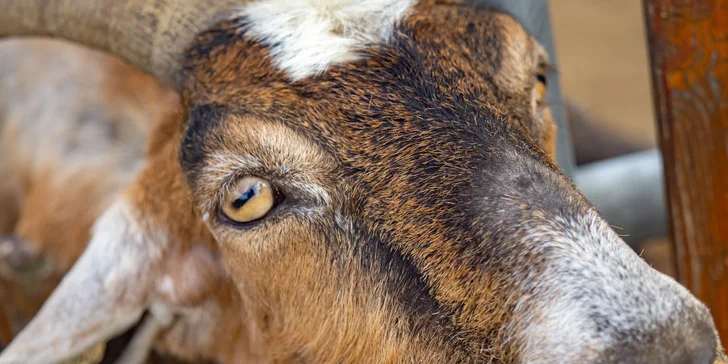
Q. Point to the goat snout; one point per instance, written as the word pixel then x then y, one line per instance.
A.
pixel 617 328
pixel 693 343
pixel 602 304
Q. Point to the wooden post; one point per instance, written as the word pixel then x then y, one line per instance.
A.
pixel 688 42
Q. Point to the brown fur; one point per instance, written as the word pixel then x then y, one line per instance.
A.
pixel 56 196
pixel 194 263
pixel 161 188
pixel 291 326
pixel 54 181
pixel 313 268
pixel 56 191
pixel 61 197
pixel 411 180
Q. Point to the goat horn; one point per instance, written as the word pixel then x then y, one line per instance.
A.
pixel 148 34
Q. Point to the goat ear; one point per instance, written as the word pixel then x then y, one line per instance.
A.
pixel 103 294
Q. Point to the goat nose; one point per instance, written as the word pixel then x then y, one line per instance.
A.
pixel 700 348
pixel 694 345
pixel 703 353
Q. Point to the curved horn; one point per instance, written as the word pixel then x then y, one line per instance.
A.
pixel 149 34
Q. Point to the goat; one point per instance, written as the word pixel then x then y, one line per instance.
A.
pixel 82 87
pixel 72 131
pixel 93 115
pixel 376 177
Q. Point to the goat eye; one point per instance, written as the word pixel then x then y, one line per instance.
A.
pixel 540 86
pixel 251 199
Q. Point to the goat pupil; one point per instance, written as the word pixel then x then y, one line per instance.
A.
pixel 247 195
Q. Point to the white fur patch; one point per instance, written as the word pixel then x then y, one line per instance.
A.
pixel 306 36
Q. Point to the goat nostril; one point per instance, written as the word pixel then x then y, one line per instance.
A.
pixel 700 347
pixel 693 342
pixel 704 354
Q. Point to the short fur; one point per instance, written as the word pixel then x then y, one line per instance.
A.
pixel 447 233
pixel 74 128
pixel 66 116
pixel 431 152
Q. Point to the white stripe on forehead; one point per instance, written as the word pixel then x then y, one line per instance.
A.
pixel 307 36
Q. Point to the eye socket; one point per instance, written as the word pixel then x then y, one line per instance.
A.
pixel 251 199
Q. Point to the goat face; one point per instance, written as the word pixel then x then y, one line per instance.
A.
pixel 416 212
pixel 406 209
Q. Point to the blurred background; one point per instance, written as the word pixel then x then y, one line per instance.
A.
pixel 603 66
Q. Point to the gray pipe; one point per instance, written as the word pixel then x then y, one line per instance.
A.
pixel 629 192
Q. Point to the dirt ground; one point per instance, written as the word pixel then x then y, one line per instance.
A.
pixel 603 63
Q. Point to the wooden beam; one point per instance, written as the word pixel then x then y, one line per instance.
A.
pixel 688 42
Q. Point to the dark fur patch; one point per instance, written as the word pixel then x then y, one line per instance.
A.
pixel 200 122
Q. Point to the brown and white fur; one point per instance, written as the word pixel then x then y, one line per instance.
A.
pixel 74 127
pixel 73 124
pixel 422 218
